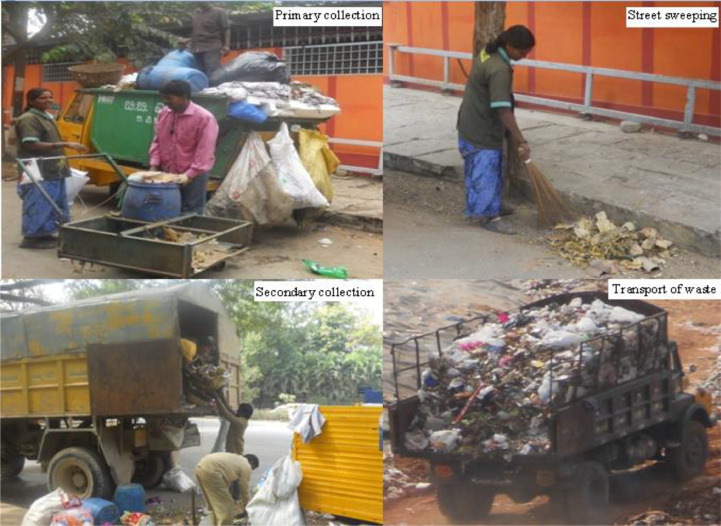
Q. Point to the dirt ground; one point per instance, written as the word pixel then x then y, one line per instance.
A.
pixel 275 252
pixel 695 325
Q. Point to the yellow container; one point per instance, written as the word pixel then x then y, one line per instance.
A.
pixel 343 466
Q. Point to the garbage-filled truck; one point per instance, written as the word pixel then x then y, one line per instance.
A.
pixel 100 391
pixel 547 400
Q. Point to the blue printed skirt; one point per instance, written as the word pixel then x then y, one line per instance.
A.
pixel 484 182
pixel 39 217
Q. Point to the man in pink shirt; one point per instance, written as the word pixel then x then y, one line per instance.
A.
pixel 184 143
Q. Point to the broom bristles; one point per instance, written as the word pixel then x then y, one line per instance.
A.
pixel 552 208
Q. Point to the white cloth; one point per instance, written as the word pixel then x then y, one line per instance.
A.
pixel 307 421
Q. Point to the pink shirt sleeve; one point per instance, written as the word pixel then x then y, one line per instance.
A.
pixel 205 150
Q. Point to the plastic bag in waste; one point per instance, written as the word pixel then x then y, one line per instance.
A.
pixel 329 272
pixel 244 111
pixel 294 178
pixel 176 480
pixel 318 159
pixel 42 510
pixel 276 502
pixel 444 441
pixel 178 58
pixel 251 189
pixel 154 77
pixel 73 517
pixel 74 184
pixel 252 66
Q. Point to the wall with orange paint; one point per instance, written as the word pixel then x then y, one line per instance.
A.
pixel 574 33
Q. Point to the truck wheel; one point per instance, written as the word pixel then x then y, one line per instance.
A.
pixel 12 466
pixel 689 459
pixel 80 472
pixel 587 501
pixel 466 502
pixel 149 471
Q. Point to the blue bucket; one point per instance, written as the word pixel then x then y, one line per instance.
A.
pixel 151 202
pixel 154 77
pixel 103 510
pixel 130 497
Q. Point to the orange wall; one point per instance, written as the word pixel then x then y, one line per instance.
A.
pixel 587 33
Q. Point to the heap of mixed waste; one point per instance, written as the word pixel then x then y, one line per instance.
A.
pixel 492 392
pixel 586 241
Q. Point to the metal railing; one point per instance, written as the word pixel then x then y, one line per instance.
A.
pixel 362 169
pixel 590 72
pixel 350 58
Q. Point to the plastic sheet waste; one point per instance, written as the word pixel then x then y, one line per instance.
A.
pixel 258 66
pixel 251 190
pixel 276 502
pixel 307 421
pixel 492 392
pixel 319 159
pixel 42 510
pixel 136 519
pixel 73 517
pixel 328 272
pixel 75 183
pixel 245 111
pixel 179 58
pixel 154 77
pixel 175 479
pixel 294 178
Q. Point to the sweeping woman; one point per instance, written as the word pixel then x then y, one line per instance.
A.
pixel 484 118
pixel 38 136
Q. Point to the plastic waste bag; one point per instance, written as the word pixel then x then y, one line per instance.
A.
pixel 277 500
pixel 252 66
pixel 73 517
pixel 252 189
pixel 329 272
pixel 179 58
pixel 318 159
pixel 175 479
pixel 75 183
pixel 43 509
pixel 245 111
pixel 294 178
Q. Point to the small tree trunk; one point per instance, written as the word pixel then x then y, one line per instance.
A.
pixel 490 20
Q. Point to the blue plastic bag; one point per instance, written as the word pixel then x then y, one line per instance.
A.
pixel 245 111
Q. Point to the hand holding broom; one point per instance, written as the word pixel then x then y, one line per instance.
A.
pixel 551 206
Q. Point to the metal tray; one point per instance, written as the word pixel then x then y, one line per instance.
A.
pixel 139 245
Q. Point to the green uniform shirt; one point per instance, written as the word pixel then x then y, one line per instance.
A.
pixel 37 126
pixel 489 88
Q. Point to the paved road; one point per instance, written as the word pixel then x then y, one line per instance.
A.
pixel 267 440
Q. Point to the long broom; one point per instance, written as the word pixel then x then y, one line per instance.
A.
pixel 552 208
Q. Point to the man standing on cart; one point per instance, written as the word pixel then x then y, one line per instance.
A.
pixel 184 143
pixel 38 136
pixel 210 38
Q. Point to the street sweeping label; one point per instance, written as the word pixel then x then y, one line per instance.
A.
pixel 664 289
pixel 698 17
pixel 328 16
pixel 319 290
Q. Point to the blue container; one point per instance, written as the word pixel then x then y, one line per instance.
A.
pixel 154 77
pixel 130 497
pixel 179 59
pixel 151 202
pixel 103 510
pixel 245 111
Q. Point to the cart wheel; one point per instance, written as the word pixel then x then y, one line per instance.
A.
pixel 149 471
pixel 587 501
pixel 465 502
pixel 80 472
pixel 689 459
pixel 12 466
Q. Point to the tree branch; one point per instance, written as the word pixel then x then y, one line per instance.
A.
pixel 4 296
pixel 27 284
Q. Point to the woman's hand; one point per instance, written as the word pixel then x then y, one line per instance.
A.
pixel 76 146
pixel 524 151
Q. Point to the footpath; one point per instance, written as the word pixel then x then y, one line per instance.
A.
pixel 652 179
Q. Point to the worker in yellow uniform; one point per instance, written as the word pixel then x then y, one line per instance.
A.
pixel 215 473
pixel 237 421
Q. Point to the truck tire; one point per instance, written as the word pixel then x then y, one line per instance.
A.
pixel 465 502
pixel 81 472
pixel 149 471
pixel 587 500
pixel 689 459
pixel 12 466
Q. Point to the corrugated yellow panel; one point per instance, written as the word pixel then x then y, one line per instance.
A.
pixel 343 466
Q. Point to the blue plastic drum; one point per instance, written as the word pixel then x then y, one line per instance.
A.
pixel 151 202
pixel 130 497
pixel 154 77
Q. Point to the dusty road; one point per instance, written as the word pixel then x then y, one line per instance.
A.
pixel 275 252
pixel 268 440
pixel 695 325
pixel 428 237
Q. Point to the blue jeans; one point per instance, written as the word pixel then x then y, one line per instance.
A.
pixel 193 195
pixel 484 181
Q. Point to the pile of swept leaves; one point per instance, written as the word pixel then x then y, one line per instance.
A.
pixel 587 241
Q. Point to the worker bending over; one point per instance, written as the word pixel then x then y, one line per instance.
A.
pixel 215 473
